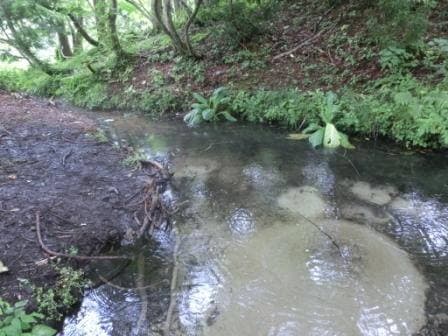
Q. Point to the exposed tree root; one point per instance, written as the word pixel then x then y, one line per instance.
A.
pixel 64 255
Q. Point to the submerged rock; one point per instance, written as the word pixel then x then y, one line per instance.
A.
pixel 305 201
pixel 380 195
pixel 195 167
pixel 364 214
pixel 291 280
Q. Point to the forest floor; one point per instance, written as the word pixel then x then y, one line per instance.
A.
pixel 52 163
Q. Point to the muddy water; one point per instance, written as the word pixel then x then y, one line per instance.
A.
pixel 274 238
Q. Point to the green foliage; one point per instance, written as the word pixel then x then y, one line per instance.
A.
pixel 289 107
pixel 100 136
pixel 53 302
pixel 15 321
pixel 397 107
pixel 188 68
pixel 396 59
pixel 237 22
pixel 134 159
pixel 401 108
pixel 397 22
pixel 83 89
pixel 33 81
pixel 327 135
pixel 247 59
pixel 212 109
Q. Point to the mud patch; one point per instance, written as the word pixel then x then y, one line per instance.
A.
pixel 49 163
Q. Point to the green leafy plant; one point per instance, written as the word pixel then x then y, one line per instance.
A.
pixel 212 109
pixel 327 135
pixel 396 59
pixel 52 302
pixel 15 321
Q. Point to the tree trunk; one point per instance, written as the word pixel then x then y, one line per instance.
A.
pixel 188 25
pixel 113 34
pixel 168 16
pixel 163 14
pixel 64 43
pixel 101 19
pixel 76 40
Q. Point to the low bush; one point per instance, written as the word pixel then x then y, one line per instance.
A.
pixel 397 107
pixel 15 321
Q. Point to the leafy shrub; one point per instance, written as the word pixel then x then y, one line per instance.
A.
pixel 400 108
pixel 186 67
pixel 327 136
pixel 83 89
pixel 397 22
pixel 14 321
pixel 290 107
pixel 54 301
pixel 211 109
pixel 396 59
pixel 30 81
pixel 397 107
pixel 237 22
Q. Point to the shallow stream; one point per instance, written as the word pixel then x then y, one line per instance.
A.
pixel 274 238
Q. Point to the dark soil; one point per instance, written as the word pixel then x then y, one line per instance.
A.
pixel 50 162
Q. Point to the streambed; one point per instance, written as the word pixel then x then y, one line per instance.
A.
pixel 274 238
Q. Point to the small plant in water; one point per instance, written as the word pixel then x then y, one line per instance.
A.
pixel 14 321
pixel 212 109
pixel 327 135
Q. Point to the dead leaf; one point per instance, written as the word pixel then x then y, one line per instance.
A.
pixel 3 268
pixel 297 136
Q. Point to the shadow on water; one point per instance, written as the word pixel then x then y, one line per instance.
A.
pixel 275 238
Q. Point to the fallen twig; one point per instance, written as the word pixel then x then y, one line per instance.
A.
pixel 333 241
pixel 304 43
pixel 64 255
pixel 66 156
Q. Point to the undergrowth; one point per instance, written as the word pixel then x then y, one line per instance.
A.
pixel 396 107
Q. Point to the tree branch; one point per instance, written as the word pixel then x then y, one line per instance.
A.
pixel 82 31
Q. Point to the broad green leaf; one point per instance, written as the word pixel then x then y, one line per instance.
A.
pixel 317 137
pixel 331 137
pixel 42 330
pixel 330 109
pixel 208 114
pixel 200 98
pixel 11 330
pixel 344 141
pixel 196 119
pixel 20 304
pixel 28 319
pixel 219 91
pixel 197 106
pixel 228 116
pixel 311 128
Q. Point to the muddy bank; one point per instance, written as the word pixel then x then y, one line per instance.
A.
pixel 51 162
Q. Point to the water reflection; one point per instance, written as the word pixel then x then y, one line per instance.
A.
pixel 250 262
pixel 423 224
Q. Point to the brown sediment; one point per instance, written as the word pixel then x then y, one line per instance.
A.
pixel 52 166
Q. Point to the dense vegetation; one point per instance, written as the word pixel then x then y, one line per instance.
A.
pixel 384 62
